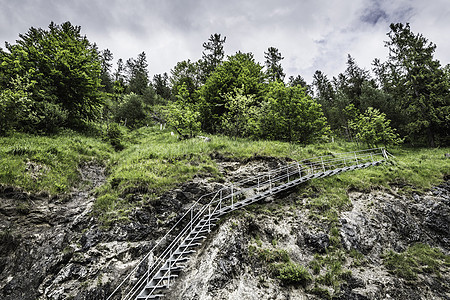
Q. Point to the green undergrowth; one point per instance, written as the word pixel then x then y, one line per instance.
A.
pixel 280 265
pixel 150 162
pixel 417 259
pixel 48 163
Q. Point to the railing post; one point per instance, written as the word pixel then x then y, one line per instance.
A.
pixel 323 165
pixel 356 158
pixel 192 208
pixel 209 218
pixel 270 184
pixel 258 185
pixel 232 196
pixel 299 171
pixel 168 272
pixel 384 153
pixel 287 169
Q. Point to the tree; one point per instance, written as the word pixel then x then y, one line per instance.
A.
pixel 212 56
pixel 239 71
pixel 161 85
pixel 290 115
pixel 241 118
pixel 185 72
pixel 421 85
pixel 351 81
pixel 183 115
pixel 106 57
pixel 63 66
pixel 374 128
pixel 274 69
pixel 137 74
pixel 131 111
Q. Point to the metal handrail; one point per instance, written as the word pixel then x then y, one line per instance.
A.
pixel 217 201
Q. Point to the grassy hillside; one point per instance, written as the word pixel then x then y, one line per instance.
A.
pixel 155 161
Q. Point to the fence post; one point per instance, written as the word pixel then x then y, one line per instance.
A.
pixel 323 165
pixel 270 184
pixel 232 196
pixel 356 158
pixel 299 171
pixel 287 169
pixel 192 208
pixel 384 153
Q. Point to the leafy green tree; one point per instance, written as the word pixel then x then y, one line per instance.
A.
pixel 290 115
pixel 63 66
pixel 131 111
pixel 212 56
pixel 19 112
pixel 161 85
pixel 183 116
pixel 273 64
pixel 238 71
pixel 241 118
pixel 185 72
pixel 137 74
pixel 119 85
pixel 299 80
pixel 107 82
pixel 413 76
pixel 373 128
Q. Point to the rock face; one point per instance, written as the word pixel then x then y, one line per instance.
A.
pixel 54 248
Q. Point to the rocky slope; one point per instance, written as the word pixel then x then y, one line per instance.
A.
pixel 54 248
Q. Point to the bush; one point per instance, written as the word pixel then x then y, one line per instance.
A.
pixel 292 273
pixel 131 112
pixel 114 136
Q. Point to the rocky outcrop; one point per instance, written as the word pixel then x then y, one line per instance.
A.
pixel 54 248
pixel 226 268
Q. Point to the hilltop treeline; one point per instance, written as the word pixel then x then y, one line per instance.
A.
pixel 56 78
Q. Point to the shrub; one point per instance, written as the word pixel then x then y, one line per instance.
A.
pixel 292 273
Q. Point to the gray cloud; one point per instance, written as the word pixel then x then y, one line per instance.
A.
pixel 311 34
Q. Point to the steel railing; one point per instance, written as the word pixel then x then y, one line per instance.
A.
pixel 215 204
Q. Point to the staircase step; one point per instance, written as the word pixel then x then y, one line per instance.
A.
pixel 182 253
pixel 191 245
pixel 156 287
pixel 206 220
pixel 177 268
pixel 178 260
pixel 157 296
pixel 158 278
pixel 193 239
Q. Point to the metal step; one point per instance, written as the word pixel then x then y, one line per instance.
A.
pixel 191 245
pixel 157 296
pixel 158 278
pixel 196 238
pixel 182 253
pixel 177 268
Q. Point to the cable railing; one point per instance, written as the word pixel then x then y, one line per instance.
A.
pixel 213 205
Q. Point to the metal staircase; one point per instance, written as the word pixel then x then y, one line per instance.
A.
pixel 153 275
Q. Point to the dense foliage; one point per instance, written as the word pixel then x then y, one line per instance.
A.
pixel 56 78
pixel 53 75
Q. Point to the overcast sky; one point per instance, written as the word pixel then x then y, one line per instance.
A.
pixel 311 34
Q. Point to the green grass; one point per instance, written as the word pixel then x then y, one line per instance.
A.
pixel 47 163
pixel 154 161
pixel 417 259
